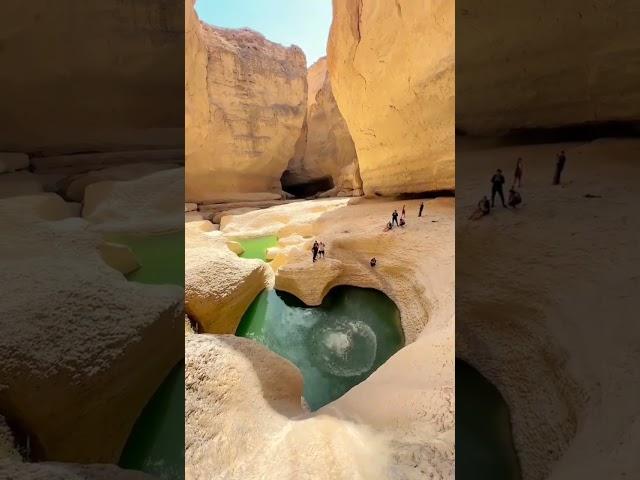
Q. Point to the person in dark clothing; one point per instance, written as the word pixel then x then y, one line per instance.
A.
pixel 559 167
pixel 373 262
pixel 314 249
pixel 421 208
pixel 497 181
pixel 394 217
pixel 403 212
pixel 517 176
pixel 388 227
pixel 481 210
pixel 514 198
pixel 402 222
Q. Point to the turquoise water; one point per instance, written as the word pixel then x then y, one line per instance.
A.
pixel 257 247
pixel 336 345
pixel 484 444
pixel 156 442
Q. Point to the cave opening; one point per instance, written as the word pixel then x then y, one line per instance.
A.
pixel 305 189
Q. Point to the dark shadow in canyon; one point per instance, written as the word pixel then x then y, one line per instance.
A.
pixel 305 189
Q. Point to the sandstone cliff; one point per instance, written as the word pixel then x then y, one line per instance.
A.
pixel 245 106
pixel 327 151
pixel 392 72
pixel 545 64
pixel 90 76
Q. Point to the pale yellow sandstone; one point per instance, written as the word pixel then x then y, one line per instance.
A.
pixel 245 101
pixel 391 65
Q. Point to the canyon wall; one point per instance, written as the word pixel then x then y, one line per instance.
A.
pixel 545 64
pixel 118 88
pixel 245 102
pixel 392 72
pixel 327 150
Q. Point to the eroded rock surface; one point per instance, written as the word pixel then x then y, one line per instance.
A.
pixel 545 65
pixel 219 285
pixel 245 105
pixel 239 393
pixel 392 75
pixel 79 333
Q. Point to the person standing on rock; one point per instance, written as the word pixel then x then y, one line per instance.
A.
pixel 421 208
pixel 314 249
pixel 497 181
pixel 517 176
pixel 559 167
pixel 321 250
pixel 394 217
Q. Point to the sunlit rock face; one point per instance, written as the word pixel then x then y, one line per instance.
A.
pixel 326 149
pixel 119 86
pixel 245 101
pixel 545 64
pixel 392 74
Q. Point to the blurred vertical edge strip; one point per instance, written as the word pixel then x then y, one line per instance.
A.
pixel 92 242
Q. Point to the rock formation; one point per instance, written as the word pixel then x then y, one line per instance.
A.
pixel 561 357
pixel 545 65
pixel 219 285
pixel 385 434
pixel 392 74
pixel 326 152
pixel 245 106
pixel 79 333
pixel 108 75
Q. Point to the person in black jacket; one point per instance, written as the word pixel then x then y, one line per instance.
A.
pixel 497 181
pixel 559 167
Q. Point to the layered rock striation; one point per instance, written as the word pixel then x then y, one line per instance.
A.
pixel 392 74
pixel 245 100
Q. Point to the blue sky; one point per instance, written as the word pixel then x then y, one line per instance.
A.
pixel 305 23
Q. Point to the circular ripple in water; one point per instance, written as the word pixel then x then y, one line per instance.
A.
pixel 343 348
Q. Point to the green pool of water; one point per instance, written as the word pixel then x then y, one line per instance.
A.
pixel 257 247
pixel 156 442
pixel 336 345
pixel 484 444
pixel 161 257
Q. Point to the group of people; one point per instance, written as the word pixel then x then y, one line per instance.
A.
pixel 400 220
pixel 317 250
pixel 514 199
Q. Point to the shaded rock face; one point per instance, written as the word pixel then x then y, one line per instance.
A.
pixel 545 64
pixel 326 157
pixel 119 86
pixel 392 73
pixel 245 106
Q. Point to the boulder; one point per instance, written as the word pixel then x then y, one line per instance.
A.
pixel 147 204
pixel 219 285
pixel 392 74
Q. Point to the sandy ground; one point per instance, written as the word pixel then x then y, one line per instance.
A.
pixel 546 299
pixel 409 401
